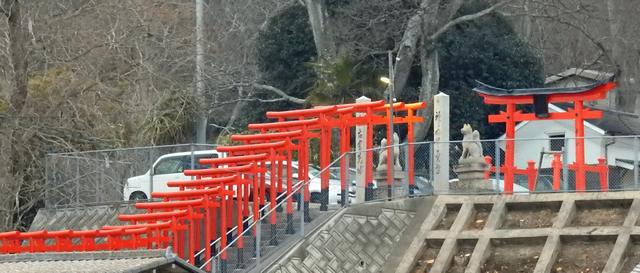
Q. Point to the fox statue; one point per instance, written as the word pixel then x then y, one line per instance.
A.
pixel 471 146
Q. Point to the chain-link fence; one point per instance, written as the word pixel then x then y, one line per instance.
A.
pixel 540 165
pixel 105 176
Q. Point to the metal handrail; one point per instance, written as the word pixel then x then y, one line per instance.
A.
pixel 297 187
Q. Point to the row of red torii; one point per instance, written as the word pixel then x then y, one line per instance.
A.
pixel 234 188
pixel 240 178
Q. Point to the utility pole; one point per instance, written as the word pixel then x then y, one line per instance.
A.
pixel 201 125
pixel 390 153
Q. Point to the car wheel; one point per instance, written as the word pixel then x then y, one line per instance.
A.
pixel 138 195
pixel 315 197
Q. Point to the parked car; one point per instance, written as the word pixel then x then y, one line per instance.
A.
pixel 315 183
pixel 351 174
pixel 166 168
pixel 170 167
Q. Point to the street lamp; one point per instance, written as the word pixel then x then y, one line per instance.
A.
pixel 391 99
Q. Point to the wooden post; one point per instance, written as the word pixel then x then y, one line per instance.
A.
pixel 531 175
pixel 556 164
pixel 603 169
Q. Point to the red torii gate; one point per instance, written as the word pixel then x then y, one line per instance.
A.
pixel 341 117
pixel 288 138
pixel 272 149
pixel 347 119
pixel 305 126
pixel 540 97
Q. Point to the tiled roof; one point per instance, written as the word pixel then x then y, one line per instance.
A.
pixel 584 73
pixel 162 260
pixel 81 218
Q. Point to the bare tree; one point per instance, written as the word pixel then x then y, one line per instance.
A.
pixel 111 73
pixel 17 52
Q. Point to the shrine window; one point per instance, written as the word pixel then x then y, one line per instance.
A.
pixel 556 142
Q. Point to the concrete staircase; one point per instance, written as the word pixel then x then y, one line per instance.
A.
pixel 352 243
pixel 271 242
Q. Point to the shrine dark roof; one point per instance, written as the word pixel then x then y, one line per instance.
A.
pixel 496 91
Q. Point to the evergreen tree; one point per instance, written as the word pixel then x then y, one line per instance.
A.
pixel 486 50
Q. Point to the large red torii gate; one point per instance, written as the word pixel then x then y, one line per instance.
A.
pixel 540 97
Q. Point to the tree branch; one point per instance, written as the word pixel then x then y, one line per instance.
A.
pixel 279 92
pixel 465 18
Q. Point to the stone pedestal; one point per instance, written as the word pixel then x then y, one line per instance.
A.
pixel 471 177
pixel 398 189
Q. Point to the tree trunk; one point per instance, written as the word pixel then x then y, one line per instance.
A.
pixel 626 64
pixel 17 43
pixel 527 21
pixel 406 53
pixel 322 34
pixel 9 182
pixel 430 82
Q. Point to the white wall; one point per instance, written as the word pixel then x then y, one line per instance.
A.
pixel 530 149
pixel 622 148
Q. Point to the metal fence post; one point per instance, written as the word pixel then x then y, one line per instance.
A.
pixel 97 185
pixel 302 211
pixel 258 224
pixel 348 178
pixel 407 187
pixel 77 182
pixel 565 165
pixel 214 264
pixel 150 157
pixel 47 202
pixel 432 176
pixel 193 162
pixel 497 163
pixel 636 150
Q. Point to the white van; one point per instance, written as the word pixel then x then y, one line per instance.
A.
pixel 315 183
pixel 167 168
pixel 170 167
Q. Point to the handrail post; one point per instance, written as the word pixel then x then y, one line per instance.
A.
pixel 636 147
pixel 565 165
pixel 302 212
pixel 258 224
pixel 347 192
pixel 497 164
